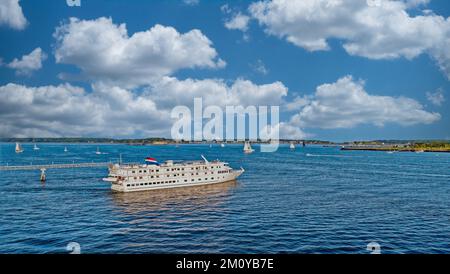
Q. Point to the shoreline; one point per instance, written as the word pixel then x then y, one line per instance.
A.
pixel 387 149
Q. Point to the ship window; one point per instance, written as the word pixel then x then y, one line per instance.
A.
pixel 133 171
pixel 185 181
pixel 192 180
pixel 128 184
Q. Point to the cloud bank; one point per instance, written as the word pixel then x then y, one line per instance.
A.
pixel 104 51
pixel 375 29
pixel 11 15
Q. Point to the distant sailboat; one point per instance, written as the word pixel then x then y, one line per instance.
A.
pixel 248 148
pixel 19 148
pixel 292 145
pixel 36 147
pixel 65 149
pixel 98 151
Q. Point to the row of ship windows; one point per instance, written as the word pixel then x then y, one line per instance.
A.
pixel 173 169
pixel 182 175
pixel 165 182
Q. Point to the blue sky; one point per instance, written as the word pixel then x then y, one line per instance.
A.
pixel 259 53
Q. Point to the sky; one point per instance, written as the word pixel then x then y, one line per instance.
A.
pixel 338 70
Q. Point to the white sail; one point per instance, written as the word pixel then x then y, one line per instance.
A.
pixel 36 147
pixel 65 149
pixel 19 148
pixel 98 151
pixel 292 145
pixel 248 148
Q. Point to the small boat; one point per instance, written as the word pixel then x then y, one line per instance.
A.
pixel 390 152
pixel 36 147
pixel 248 148
pixel 98 151
pixel 292 145
pixel 19 148
pixel 222 145
pixel 420 151
pixel 65 149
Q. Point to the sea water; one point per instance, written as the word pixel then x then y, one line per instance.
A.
pixel 308 200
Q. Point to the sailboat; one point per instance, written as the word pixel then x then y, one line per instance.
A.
pixel 248 148
pixel 65 149
pixel 98 151
pixel 36 147
pixel 19 148
pixel 292 145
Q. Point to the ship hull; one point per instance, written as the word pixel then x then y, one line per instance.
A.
pixel 123 188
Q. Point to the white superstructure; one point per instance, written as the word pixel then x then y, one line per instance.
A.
pixel 138 177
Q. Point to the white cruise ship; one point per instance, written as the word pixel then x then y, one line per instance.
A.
pixel 138 177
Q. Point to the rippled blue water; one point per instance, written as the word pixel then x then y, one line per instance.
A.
pixel 311 200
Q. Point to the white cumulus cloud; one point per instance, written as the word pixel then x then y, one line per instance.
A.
pixel 376 29
pixel 437 97
pixel 170 91
pixel 346 104
pixel 238 21
pixel 28 63
pixel 104 51
pixel 67 110
pixel 11 14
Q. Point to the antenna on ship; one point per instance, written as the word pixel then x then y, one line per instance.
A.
pixel 206 161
